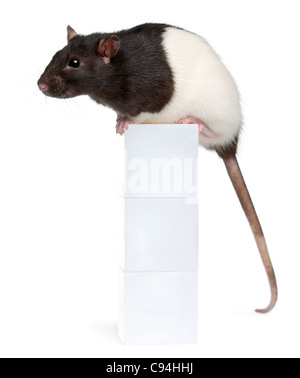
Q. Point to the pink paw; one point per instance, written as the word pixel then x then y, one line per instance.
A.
pixel 203 129
pixel 122 124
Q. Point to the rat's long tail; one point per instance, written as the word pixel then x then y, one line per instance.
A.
pixel 240 187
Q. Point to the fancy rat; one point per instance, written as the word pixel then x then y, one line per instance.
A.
pixel 156 73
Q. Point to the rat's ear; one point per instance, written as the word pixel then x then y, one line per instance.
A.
pixel 71 33
pixel 108 47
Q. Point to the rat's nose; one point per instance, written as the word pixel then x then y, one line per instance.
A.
pixel 43 87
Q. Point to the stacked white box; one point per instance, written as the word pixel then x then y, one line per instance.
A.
pixel 158 275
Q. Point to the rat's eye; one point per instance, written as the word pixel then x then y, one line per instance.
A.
pixel 74 62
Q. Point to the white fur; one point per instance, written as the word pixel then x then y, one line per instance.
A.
pixel 203 88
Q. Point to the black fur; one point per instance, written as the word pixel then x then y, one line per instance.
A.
pixel 137 79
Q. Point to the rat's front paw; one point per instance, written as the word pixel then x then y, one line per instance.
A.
pixel 122 124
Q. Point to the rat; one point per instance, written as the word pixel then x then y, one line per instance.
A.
pixel 157 73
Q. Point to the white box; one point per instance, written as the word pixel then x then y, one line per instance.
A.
pixel 161 234
pixel 161 160
pixel 158 275
pixel 158 308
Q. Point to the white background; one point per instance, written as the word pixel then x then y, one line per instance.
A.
pixel 60 226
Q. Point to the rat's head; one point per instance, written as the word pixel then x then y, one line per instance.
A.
pixel 80 67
